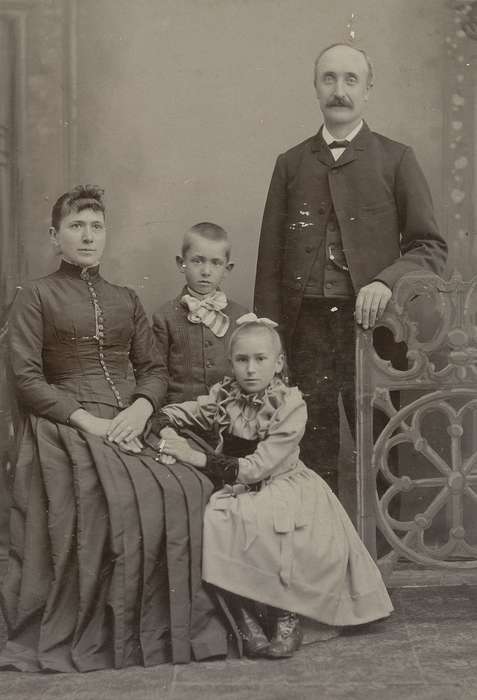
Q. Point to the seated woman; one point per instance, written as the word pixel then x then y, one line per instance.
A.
pixel 105 554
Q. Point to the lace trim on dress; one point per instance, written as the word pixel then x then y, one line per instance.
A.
pixel 250 405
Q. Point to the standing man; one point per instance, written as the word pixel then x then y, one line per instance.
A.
pixel 348 213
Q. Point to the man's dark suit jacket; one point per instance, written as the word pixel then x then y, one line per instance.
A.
pixel 383 205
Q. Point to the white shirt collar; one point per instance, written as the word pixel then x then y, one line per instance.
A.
pixel 329 138
pixel 201 296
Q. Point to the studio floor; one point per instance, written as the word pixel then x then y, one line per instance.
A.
pixel 426 651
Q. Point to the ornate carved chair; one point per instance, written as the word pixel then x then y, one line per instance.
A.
pixel 417 478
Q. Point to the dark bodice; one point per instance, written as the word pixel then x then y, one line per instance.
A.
pixel 71 331
pixel 238 447
pixel 76 338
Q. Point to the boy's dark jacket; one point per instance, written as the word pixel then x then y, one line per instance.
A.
pixel 196 359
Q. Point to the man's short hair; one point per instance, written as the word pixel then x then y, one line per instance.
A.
pixel 370 80
pixel 78 199
pixel 210 231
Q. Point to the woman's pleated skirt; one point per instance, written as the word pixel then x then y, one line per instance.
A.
pixel 105 557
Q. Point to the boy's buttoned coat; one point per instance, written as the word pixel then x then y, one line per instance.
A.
pixel 196 358
pixel 382 203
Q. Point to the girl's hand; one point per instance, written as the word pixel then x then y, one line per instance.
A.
pixel 179 448
pixel 130 423
pixel 134 446
pixel 85 421
pixel 168 432
pixel 163 458
pixel 167 459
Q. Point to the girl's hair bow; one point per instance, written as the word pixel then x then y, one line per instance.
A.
pixel 252 318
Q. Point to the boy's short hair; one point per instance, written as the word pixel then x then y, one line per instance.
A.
pixel 210 231
pixel 78 199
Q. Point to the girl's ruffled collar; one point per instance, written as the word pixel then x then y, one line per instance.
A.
pixel 231 390
pixel 259 406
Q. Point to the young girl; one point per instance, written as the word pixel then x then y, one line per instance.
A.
pixel 275 533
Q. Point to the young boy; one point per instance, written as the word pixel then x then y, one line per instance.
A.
pixel 192 330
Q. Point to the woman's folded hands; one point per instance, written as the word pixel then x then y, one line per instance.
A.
pixel 129 424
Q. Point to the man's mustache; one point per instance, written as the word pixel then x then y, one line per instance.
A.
pixel 339 102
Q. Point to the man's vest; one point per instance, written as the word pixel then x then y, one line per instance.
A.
pixel 329 274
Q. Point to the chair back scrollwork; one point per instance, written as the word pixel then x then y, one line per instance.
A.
pixel 417 475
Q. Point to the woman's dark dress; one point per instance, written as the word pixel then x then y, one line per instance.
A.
pixel 105 559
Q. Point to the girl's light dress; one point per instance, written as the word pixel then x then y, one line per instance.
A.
pixel 289 544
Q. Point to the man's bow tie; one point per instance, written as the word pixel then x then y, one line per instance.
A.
pixel 338 144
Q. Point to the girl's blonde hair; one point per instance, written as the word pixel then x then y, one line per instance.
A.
pixel 275 339
pixel 255 326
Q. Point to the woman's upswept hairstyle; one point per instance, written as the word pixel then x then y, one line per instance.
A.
pixel 79 198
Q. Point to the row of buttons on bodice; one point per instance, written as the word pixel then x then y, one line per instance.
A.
pixel 99 335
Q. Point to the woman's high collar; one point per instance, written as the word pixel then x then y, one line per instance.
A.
pixel 84 273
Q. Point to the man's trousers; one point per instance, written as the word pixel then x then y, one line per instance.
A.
pixel 322 364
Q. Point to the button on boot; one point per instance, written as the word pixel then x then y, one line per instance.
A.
pixel 255 641
pixel 287 635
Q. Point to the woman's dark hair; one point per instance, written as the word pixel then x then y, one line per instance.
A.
pixel 79 198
